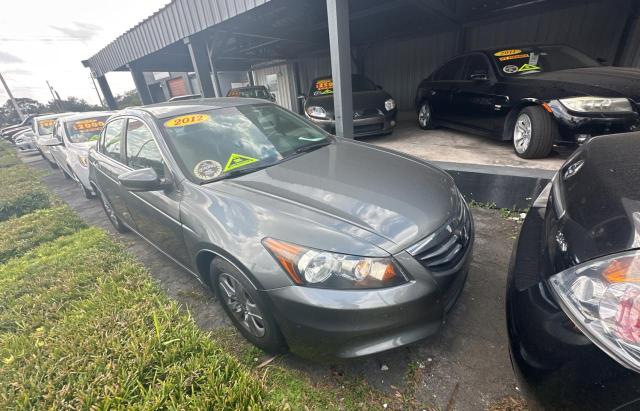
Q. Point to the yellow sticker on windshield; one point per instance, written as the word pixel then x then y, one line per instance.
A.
pixel 528 67
pixel 46 122
pixel 88 125
pixel 187 120
pixel 237 161
pixel 507 52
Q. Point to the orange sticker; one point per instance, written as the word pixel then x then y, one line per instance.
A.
pixel 187 120
pixel 88 125
pixel 517 56
pixel 46 122
pixel 507 52
pixel 322 85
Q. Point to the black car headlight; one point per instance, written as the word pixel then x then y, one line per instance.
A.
pixel 597 104
pixel 323 269
pixel 602 297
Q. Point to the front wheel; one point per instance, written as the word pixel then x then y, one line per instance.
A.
pixel 534 133
pixel 245 307
pixel 425 118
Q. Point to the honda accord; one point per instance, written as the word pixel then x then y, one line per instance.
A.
pixel 329 247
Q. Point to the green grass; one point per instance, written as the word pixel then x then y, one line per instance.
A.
pixel 21 192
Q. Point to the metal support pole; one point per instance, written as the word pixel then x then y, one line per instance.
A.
pixel 340 43
pixel 106 92
pixel 200 61
pixel 55 99
pixel 214 71
pixel 141 84
pixel 13 101
pixel 93 81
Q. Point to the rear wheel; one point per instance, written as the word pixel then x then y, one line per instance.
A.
pixel 245 307
pixel 425 118
pixel 111 214
pixel 534 133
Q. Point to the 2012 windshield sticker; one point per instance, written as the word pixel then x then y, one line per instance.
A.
pixel 507 52
pixel 237 161
pixel 187 120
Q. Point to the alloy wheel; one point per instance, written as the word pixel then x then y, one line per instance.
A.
pixel 241 305
pixel 522 133
pixel 424 115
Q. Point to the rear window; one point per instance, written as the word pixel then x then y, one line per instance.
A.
pixel 88 129
pixel 323 86
pixel 45 126
pixel 249 93
pixel 528 60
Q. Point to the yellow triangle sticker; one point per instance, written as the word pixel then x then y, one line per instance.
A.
pixel 237 161
pixel 528 67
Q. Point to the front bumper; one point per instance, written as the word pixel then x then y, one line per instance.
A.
pixel 557 366
pixel 26 146
pixel 327 324
pixel 574 126
pixel 363 126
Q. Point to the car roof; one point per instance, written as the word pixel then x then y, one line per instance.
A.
pixel 88 114
pixel 176 108
pixel 53 116
pixel 247 87
pixel 491 50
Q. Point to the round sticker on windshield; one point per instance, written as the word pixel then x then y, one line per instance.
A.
pixel 510 69
pixel 207 169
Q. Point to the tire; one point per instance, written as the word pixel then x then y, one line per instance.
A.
pixel 51 164
pixel 111 215
pixel 541 129
pixel 88 194
pixel 246 308
pixel 425 116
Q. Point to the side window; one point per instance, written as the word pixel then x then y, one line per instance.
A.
pixel 476 63
pixel 142 150
pixel 451 71
pixel 110 145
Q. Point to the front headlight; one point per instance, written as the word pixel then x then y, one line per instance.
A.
pixel 19 140
pixel 602 297
pixel 316 112
pixel 597 104
pixel 84 161
pixel 390 104
pixel 324 269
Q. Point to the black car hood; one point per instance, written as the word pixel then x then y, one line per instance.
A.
pixel 600 81
pixel 362 100
pixel 602 200
pixel 389 194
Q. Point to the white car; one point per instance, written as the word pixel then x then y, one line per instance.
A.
pixel 25 141
pixel 73 136
pixel 42 128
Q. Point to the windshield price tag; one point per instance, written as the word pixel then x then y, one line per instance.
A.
pixel 88 125
pixel 46 123
pixel 507 52
pixel 187 120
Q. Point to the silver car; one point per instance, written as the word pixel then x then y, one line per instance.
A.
pixel 73 136
pixel 43 128
pixel 25 141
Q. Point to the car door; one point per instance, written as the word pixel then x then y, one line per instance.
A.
pixel 59 152
pixel 475 101
pixel 439 91
pixel 155 213
pixel 109 164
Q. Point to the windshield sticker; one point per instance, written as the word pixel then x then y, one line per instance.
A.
pixel 324 86
pixel 187 120
pixel 533 59
pixel 207 169
pixel 510 69
pixel 46 123
pixel 237 161
pixel 311 138
pixel 88 125
pixel 507 52
pixel 514 57
pixel 528 67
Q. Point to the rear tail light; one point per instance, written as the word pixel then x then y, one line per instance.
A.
pixel 602 297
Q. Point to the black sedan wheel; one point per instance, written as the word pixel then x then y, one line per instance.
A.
pixel 108 209
pixel 425 120
pixel 534 133
pixel 246 307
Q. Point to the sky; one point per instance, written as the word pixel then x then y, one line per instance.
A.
pixel 46 40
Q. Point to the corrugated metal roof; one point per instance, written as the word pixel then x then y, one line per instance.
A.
pixel 172 23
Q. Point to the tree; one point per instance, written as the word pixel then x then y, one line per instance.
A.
pixel 128 99
pixel 9 116
pixel 74 104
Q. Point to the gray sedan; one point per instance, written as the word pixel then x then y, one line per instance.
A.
pixel 328 247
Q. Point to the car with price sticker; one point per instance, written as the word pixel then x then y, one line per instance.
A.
pixel 299 233
pixel 534 96
pixel 42 127
pixel 72 138
pixel 374 110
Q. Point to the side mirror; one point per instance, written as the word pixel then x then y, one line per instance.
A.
pixel 272 96
pixel 51 141
pixel 145 179
pixel 479 76
pixel 302 97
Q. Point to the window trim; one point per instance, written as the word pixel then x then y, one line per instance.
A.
pixel 104 134
pixel 490 73
pixel 464 66
pixel 153 136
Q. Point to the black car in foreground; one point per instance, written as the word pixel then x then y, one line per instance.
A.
pixel 536 96
pixel 573 289
pixel 374 110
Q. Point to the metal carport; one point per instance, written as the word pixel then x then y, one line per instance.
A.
pixel 395 42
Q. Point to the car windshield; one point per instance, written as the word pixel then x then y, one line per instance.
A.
pixel 44 126
pixel 528 60
pixel 222 142
pixel 86 129
pixel 325 85
pixel 258 92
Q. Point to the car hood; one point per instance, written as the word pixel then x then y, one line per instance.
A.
pixel 386 193
pixel 602 199
pixel 362 100
pixel 594 81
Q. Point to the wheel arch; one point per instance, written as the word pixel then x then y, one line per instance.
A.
pixel 513 114
pixel 208 254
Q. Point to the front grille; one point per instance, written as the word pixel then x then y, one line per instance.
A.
pixel 443 250
pixel 366 112
pixel 369 128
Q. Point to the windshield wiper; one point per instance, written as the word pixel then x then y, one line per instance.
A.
pixel 311 147
pixel 238 172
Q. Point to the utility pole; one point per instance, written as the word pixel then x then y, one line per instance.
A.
pixel 93 80
pixel 55 99
pixel 13 101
